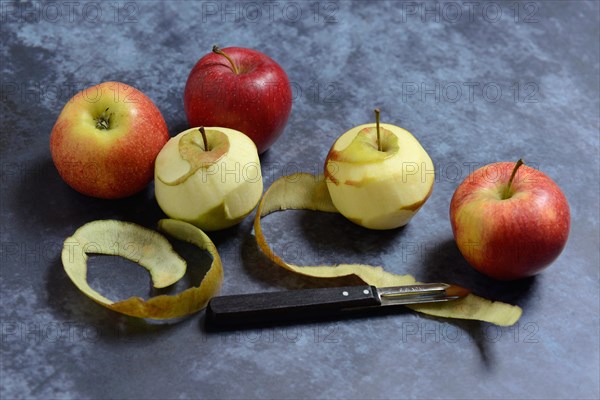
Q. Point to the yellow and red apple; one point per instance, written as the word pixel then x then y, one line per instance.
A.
pixel 106 139
pixel 509 220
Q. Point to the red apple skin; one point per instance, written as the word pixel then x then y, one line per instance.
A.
pixel 512 238
pixel 257 101
pixel 113 163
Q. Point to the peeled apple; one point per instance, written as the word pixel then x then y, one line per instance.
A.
pixel 212 187
pixel 378 188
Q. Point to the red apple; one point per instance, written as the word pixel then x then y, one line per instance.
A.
pixel 241 89
pixel 509 221
pixel 106 139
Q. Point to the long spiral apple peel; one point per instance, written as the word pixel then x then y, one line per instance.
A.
pixel 303 191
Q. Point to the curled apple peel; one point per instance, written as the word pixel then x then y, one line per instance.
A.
pixel 308 192
pixel 152 251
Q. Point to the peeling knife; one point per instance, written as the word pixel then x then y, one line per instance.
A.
pixel 250 309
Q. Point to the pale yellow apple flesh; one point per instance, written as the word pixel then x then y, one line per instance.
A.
pixel 378 189
pixel 212 189
pixel 152 251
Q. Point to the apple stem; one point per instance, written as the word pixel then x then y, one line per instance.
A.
pixel 103 121
pixel 203 133
pixel 506 193
pixel 218 51
pixel 377 112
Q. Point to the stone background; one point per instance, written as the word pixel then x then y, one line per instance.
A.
pixel 494 81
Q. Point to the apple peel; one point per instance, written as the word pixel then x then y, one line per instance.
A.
pixel 152 251
pixel 302 191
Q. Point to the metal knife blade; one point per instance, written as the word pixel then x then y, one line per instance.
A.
pixel 420 293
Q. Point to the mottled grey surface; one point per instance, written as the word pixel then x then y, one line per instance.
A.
pixel 475 83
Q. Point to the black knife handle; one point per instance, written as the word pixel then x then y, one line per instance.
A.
pixel 288 305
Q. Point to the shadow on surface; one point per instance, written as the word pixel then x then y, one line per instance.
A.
pixel 338 240
pixel 447 264
pixel 41 184
pixel 327 239
pixel 261 268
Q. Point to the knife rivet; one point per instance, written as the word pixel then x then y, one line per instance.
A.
pixel 365 291
pixel 345 293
